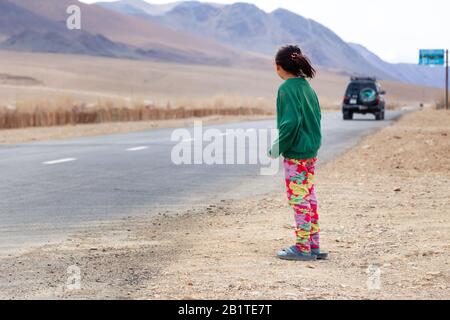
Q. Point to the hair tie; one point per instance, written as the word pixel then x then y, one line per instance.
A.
pixel 296 56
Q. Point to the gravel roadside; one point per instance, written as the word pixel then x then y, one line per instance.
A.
pixel 385 210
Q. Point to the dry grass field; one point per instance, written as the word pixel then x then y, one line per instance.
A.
pixel 53 89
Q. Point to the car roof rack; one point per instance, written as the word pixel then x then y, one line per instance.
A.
pixel 363 79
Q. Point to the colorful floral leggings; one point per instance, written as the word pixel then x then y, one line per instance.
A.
pixel 302 197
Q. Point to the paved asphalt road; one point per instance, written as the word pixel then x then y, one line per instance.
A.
pixel 48 189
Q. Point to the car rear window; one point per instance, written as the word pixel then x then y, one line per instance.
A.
pixel 356 87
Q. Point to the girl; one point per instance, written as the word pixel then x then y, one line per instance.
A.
pixel 298 121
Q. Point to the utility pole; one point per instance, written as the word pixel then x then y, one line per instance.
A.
pixel 446 79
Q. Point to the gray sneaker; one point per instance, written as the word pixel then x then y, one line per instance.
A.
pixel 319 255
pixel 293 254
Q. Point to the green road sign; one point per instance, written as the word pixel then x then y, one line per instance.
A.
pixel 432 57
pixel 437 58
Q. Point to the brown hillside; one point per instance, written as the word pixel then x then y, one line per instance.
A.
pixel 126 29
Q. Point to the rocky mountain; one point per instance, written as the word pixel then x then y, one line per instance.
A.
pixel 245 27
pixel 40 26
pixel 77 42
pixel 190 32
pixel 14 19
pixel 27 31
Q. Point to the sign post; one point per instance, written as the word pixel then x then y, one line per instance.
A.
pixel 436 58
pixel 446 79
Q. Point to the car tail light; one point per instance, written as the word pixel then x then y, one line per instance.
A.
pixel 378 99
pixel 344 100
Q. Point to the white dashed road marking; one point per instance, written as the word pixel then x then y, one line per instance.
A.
pixel 60 161
pixel 137 149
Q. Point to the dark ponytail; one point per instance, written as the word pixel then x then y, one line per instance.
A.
pixel 292 60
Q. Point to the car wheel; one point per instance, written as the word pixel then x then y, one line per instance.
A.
pixel 378 116
pixel 348 116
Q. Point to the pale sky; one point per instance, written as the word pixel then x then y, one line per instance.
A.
pixel 393 29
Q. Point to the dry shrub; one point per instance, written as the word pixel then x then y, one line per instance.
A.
pixel 66 111
pixel 329 104
pixel 394 105
pixel 226 102
pixel 232 101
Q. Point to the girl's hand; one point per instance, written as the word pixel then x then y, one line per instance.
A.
pixel 269 154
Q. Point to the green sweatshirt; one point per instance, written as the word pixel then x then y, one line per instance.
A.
pixel 298 121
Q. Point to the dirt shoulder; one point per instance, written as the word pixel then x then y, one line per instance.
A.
pixel 385 210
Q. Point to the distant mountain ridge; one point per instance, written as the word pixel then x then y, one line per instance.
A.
pixel 238 34
pixel 245 27
pixel 28 31
pixel 39 26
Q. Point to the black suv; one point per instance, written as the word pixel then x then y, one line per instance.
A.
pixel 363 95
